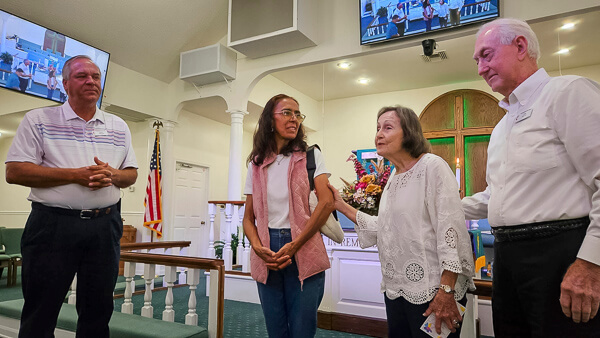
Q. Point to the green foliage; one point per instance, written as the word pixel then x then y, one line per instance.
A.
pixel 6 58
pixel 234 244
pixel 382 12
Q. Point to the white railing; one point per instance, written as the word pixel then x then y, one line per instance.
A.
pixel 226 219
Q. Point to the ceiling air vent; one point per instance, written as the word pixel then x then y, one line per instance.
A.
pixel 437 56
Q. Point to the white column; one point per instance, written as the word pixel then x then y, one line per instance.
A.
pixel 239 253
pixel 4 17
pixel 148 309
pixel 170 276
pixel 212 211
pixel 191 318
pixel 129 273
pixel 227 250
pixel 234 185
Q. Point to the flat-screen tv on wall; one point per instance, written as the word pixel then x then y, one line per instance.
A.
pixel 32 58
pixel 385 20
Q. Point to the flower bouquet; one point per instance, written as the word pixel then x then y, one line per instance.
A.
pixel 364 194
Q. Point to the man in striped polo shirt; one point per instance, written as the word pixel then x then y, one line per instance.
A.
pixel 74 157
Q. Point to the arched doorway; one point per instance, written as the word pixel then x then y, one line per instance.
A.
pixel 458 124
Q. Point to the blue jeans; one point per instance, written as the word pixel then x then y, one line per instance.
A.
pixel 290 310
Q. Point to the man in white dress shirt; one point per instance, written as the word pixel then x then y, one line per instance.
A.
pixel 542 198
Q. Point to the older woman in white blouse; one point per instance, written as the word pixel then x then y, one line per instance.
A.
pixel 424 247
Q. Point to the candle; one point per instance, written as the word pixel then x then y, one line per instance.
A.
pixel 458 172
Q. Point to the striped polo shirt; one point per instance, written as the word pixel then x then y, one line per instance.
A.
pixel 56 137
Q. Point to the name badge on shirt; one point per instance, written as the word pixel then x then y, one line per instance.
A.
pixel 524 115
pixel 100 132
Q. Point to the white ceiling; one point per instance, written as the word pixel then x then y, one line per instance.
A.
pixel 143 35
pixel 404 69
pixel 148 35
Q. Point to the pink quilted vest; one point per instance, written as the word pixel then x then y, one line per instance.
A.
pixel 312 257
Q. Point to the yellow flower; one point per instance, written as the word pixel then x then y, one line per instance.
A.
pixel 373 189
pixel 367 179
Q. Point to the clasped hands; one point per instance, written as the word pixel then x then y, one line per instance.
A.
pixel 97 176
pixel 276 260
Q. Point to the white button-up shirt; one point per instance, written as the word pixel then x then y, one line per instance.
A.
pixel 544 158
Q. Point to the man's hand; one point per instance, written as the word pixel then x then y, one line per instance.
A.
pixel 580 291
pixel 101 175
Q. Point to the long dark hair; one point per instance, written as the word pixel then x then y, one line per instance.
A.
pixel 264 143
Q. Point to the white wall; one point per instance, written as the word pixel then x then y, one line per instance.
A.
pixel 350 123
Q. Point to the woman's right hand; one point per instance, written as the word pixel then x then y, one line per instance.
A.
pixel 269 257
pixel 337 198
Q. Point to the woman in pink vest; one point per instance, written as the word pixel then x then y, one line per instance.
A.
pixel 288 259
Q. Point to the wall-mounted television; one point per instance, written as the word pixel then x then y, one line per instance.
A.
pixel 385 20
pixel 32 58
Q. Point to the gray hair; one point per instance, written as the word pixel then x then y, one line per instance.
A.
pixel 508 29
pixel 66 71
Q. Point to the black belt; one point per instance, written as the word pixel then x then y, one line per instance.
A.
pixel 537 230
pixel 82 214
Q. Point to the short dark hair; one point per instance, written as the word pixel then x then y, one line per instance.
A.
pixel 413 140
pixel 264 144
pixel 395 17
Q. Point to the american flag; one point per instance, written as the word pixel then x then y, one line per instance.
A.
pixel 153 200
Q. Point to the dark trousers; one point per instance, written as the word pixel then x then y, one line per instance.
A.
pixel 454 17
pixel 23 84
pixel 404 319
pixel 527 277
pixel 54 248
pixel 400 26
pixel 443 21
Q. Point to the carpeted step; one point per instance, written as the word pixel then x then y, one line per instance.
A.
pixel 121 324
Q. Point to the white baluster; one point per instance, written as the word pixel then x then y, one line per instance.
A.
pixel 239 253
pixel 148 309
pixel 191 318
pixel 227 253
pixel 212 210
pixel 182 276
pixel 73 297
pixel 170 276
pixel 246 262
pixel 129 273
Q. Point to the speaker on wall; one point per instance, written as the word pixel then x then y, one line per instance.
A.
pixel 207 65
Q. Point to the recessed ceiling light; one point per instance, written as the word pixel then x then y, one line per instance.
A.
pixel 563 51
pixel 363 81
pixel 344 65
pixel 568 25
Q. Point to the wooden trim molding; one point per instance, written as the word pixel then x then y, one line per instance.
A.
pixel 373 327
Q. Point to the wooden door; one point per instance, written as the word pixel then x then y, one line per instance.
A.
pixel 458 124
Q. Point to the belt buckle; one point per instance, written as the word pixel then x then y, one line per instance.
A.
pixel 86 214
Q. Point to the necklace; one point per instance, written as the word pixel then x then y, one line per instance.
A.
pixel 279 160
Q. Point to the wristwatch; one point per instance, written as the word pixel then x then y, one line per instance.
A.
pixel 446 288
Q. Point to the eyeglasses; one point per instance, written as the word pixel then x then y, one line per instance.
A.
pixel 288 113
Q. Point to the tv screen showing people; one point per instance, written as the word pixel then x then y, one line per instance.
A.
pixel 383 20
pixel 32 58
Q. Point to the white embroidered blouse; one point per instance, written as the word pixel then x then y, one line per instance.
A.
pixel 420 231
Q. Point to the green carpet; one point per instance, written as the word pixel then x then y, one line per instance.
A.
pixel 241 319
